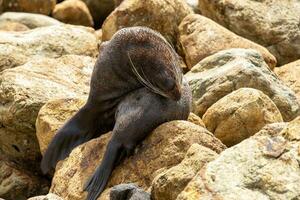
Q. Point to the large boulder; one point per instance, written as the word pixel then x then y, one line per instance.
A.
pixel 29 20
pixel 273 24
pixel 169 184
pixel 52 116
pixel 264 166
pixel 163 16
pixel 218 75
pixel 290 74
pixel 73 12
pixel 165 147
pixel 200 37
pixel 37 6
pixel 16 48
pixel 240 115
pixel 19 183
pixel 25 89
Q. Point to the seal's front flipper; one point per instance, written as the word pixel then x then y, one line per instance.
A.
pixel 97 182
pixel 79 129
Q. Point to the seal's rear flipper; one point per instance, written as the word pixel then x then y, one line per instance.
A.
pixel 97 182
pixel 79 129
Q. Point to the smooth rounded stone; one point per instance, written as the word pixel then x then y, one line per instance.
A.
pixel 25 89
pixel 290 75
pixel 28 19
pixel 155 14
pixel 52 116
pixel 16 48
pixel 273 24
pixel 261 167
pixel 200 37
pixel 49 196
pixel 73 12
pixel 100 9
pixel 170 183
pixel 240 115
pixel 219 74
pixel 12 26
pixel 31 6
pixel 165 147
pixel 128 192
pixel 18 183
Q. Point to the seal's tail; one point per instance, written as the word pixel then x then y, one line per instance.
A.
pixel 77 130
pixel 97 182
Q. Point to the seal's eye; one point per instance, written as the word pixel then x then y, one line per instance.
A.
pixel 169 84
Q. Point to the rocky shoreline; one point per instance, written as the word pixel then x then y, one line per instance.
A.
pixel 241 59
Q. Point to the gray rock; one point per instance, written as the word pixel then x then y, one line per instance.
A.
pixel 28 19
pixel 128 192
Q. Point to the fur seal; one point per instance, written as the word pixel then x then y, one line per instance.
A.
pixel 136 85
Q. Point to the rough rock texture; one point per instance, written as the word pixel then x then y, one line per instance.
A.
pixel 49 196
pixel 163 16
pixel 265 166
pixel 290 75
pixel 200 37
pixel 18 183
pixel 16 48
pixel 128 192
pixel 240 115
pixel 162 149
pixel 169 184
pixel 228 70
pixel 273 24
pixel 196 120
pixel 28 19
pixel 52 116
pixel 100 9
pixel 32 6
pixel 25 89
pixel 73 12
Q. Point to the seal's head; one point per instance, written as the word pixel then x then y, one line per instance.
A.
pixel 154 62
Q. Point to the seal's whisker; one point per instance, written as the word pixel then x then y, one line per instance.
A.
pixel 155 89
pixel 144 79
pixel 136 72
